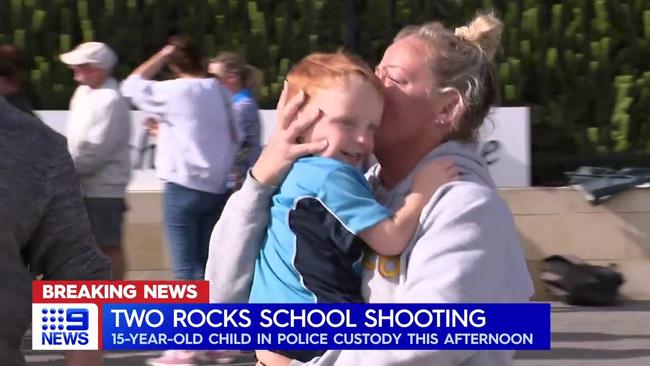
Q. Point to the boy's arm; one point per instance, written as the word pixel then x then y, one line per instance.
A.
pixel 236 241
pixel 391 236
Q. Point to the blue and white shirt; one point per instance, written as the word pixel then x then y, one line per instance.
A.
pixel 247 115
pixel 312 252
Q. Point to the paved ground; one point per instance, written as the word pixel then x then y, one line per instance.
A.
pixel 596 336
pixel 581 336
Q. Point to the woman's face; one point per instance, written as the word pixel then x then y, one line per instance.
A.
pixel 410 111
pixel 230 81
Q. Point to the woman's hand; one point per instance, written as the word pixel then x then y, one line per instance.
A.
pixel 283 149
pixel 155 63
pixel 152 126
pixel 268 358
pixel 167 50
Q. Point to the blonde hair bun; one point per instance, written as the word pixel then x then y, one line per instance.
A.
pixel 484 32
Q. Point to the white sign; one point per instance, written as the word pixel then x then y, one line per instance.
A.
pixel 505 145
pixel 143 175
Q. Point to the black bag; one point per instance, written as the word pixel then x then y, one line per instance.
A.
pixel 578 283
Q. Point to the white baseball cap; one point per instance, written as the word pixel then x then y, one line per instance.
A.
pixel 95 53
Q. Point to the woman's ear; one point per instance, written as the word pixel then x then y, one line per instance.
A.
pixel 452 107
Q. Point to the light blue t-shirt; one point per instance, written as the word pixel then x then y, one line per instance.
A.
pixel 312 252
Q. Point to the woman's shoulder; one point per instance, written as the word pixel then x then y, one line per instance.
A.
pixel 186 82
pixel 178 82
pixel 465 196
pixel 248 104
pixel 247 107
pixel 30 142
pixel 182 89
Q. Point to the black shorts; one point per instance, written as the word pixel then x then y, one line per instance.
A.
pixel 106 217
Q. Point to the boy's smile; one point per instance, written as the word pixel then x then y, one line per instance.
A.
pixel 351 116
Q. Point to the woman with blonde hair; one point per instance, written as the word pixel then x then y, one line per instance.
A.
pixel 243 81
pixel 439 87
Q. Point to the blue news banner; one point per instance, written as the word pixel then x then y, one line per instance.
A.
pixel 326 326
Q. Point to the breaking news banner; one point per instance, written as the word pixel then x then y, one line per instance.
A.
pixel 162 315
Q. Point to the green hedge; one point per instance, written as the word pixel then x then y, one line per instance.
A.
pixel 583 66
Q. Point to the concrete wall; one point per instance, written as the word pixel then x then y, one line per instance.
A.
pixel 560 221
pixel 550 221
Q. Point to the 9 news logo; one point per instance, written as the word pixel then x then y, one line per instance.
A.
pixel 64 326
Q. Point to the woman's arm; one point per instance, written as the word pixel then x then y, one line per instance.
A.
pixel 238 235
pixel 146 94
pixel 152 66
pixel 236 241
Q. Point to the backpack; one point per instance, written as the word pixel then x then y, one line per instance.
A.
pixel 578 283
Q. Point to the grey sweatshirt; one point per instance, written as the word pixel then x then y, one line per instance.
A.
pixel 198 135
pixel 465 250
pixel 99 133
pixel 43 223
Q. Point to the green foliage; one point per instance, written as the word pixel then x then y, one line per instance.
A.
pixel 582 65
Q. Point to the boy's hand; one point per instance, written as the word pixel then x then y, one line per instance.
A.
pixel 268 358
pixel 434 175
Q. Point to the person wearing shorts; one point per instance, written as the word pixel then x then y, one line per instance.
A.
pixel 99 132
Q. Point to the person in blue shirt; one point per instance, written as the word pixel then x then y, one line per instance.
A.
pixel 324 213
pixel 243 81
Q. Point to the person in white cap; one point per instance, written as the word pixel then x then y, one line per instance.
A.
pixel 99 131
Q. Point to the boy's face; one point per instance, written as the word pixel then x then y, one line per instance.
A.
pixel 351 116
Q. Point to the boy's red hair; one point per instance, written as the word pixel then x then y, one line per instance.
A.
pixel 322 70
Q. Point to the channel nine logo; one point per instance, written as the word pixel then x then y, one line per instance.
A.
pixel 64 327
